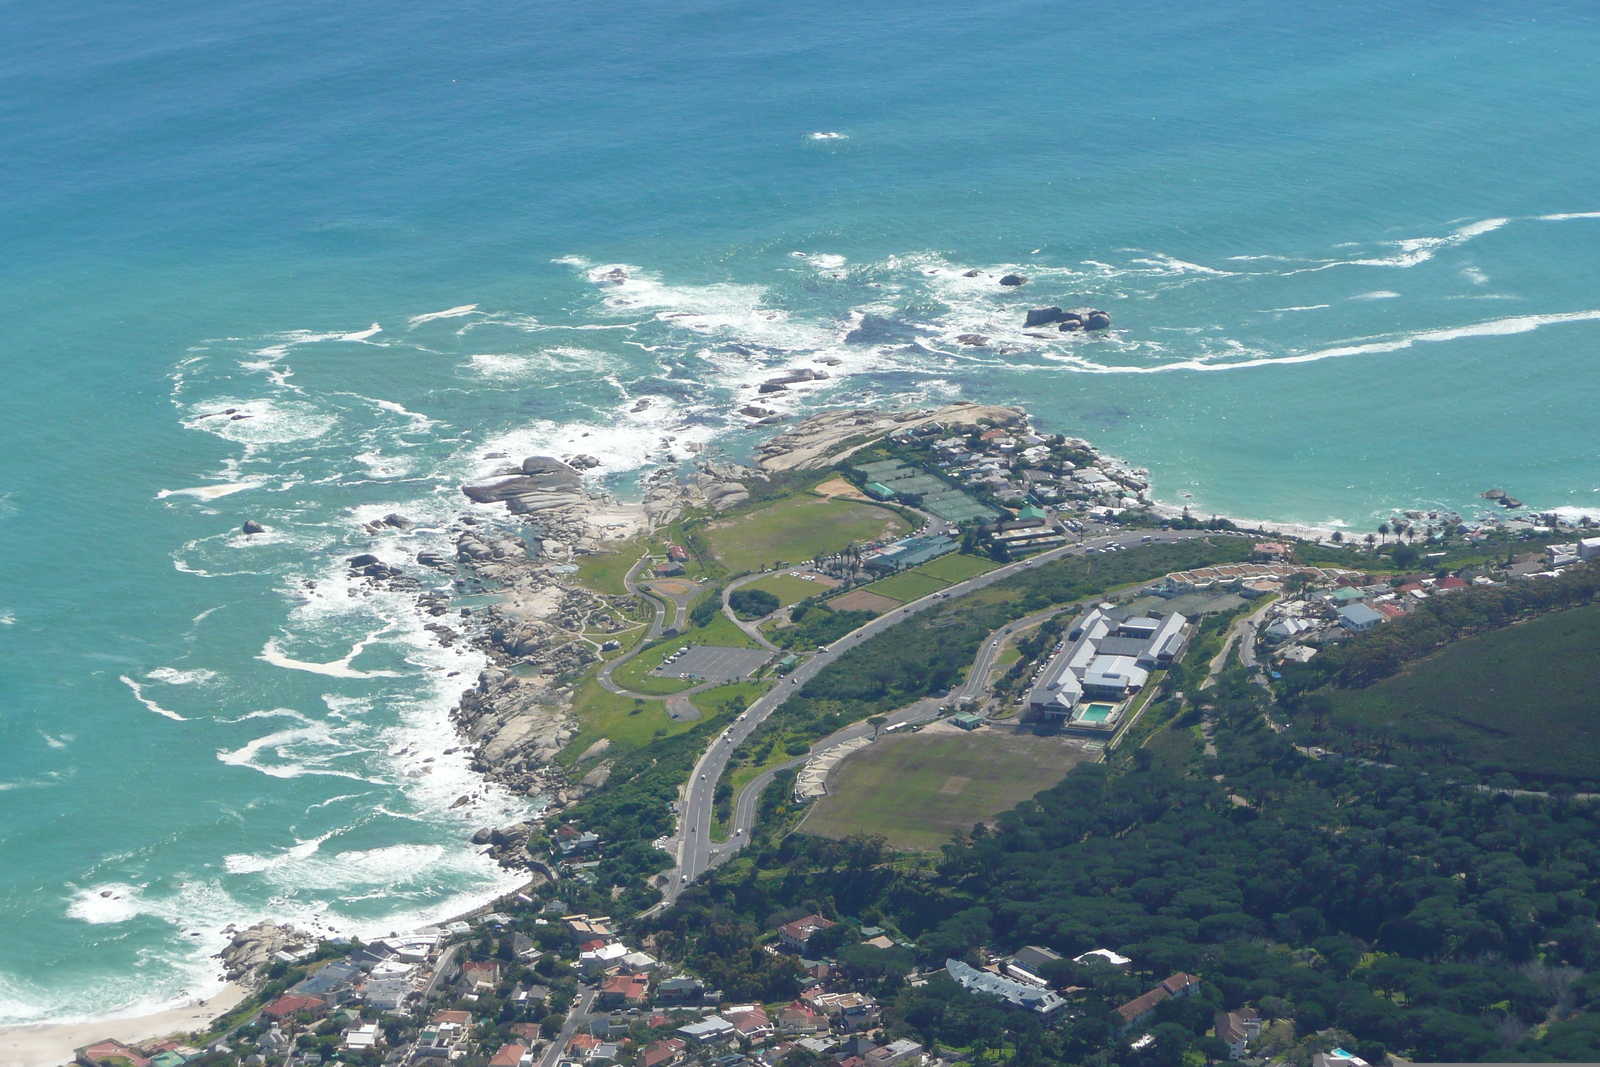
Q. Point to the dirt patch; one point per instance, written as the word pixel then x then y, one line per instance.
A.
pixel 861 600
pixel 841 488
pixel 672 588
pixel 953 785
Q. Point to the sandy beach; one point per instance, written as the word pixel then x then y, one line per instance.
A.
pixel 52 1044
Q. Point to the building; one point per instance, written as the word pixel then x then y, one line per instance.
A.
pixel 1106 956
pixel 510 1056
pixel 662 1053
pixel 1107 659
pixel 1231 1032
pixel 711 1030
pixel 677 553
pixel 1017 994
pixel 1141 1008
pixel 801 1018
pixel 1359 617
pixel 751 1023
pixel 796 934
pixel 624 991
pixel 1027 964
pixel 902 1053
pixel 670 569
pixel 288 1005
pixel 603 958
pixel 108 1052
pixel 362 1037
pixel 967 720
pixel 682 990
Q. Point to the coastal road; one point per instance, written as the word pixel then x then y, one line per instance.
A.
pixel 696 851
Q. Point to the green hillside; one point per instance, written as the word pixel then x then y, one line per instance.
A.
pixel 1521 699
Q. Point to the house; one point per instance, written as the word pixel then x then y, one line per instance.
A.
pixel 570 839
pixel 289 1005
pixel 1589 548
pixel 1017 994
pixel 670 569
pixel 603 958
pixel 510 1056
pixel 526 1033
pixel 639 963
pixel 1106 956
pixel 800 1018
pixel 711 1030
pixel 603 1052
pixel 902 1053
pixel 104 1053
pixel 751 1023
pixel 480 976
pixel 681 990
pixel 624 991
pixel 1450 582
pixel 662 1053
pixel 677 553
pixel 1269 550
pixel 1359 617
pixel 1141 1008
pixel 1026 964
pixel 447 1031
pixel 362 1037
pixel 796 934
pixel 1231 1032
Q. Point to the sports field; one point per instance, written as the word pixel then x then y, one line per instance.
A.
pixel 957 567
pixel 918 789
pixel 791 590
pixel 796 529
pixel 907 585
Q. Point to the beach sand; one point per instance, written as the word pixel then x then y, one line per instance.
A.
pixel 52 1044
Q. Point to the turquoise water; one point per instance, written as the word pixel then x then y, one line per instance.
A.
pixel 1350 255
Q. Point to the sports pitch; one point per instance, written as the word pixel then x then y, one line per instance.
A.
pixel 918 789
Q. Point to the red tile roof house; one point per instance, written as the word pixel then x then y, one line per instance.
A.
pixel 582 1043
pixel 797 933
pixel 752 1025
pixel 108 1053
pixel 624 991
pixel 529 1032
pixel 287 1005
pixel 663 1053
pixel 1139 1009
pixel 509 1056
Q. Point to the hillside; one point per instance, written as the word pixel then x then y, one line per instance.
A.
pixel 1519 699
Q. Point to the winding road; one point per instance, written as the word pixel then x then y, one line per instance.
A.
pixel 696 851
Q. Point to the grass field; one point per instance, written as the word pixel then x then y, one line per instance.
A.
pixel 907 585
pixel 1521 699
pixel 604 571
pixel 602 713
pixel 797 529
pixel 957 567
pixel 918 789
pixel 788 590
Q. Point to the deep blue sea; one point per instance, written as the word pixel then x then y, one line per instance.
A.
pixel 1351 252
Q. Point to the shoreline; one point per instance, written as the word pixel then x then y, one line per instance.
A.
pixel 516 724
pixel 53 1044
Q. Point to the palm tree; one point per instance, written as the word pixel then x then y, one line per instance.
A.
pixel 1383 531
pixel 1371 540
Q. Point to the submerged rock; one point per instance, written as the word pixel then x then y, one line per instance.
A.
pixel 1044 316
pixel 976 339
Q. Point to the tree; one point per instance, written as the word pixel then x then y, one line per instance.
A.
pixel 1383 531
pixel 877 722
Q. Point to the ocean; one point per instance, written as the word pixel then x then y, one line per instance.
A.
pixel 312 265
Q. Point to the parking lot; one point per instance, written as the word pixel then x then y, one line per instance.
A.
pixel 712 663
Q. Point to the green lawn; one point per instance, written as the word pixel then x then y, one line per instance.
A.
pixel 918 789
pixel 604 571
pixel 1520 699
pixel 797 529
pixel 907 585
pixel 602 713
pixel 957 567
pixel 788 590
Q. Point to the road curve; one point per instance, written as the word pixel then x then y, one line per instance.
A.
pixel 696 851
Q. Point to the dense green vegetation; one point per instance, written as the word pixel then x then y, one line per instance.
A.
pixel 1519 699
pixel 750 603
pixel 1412 914
pixel 817 624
